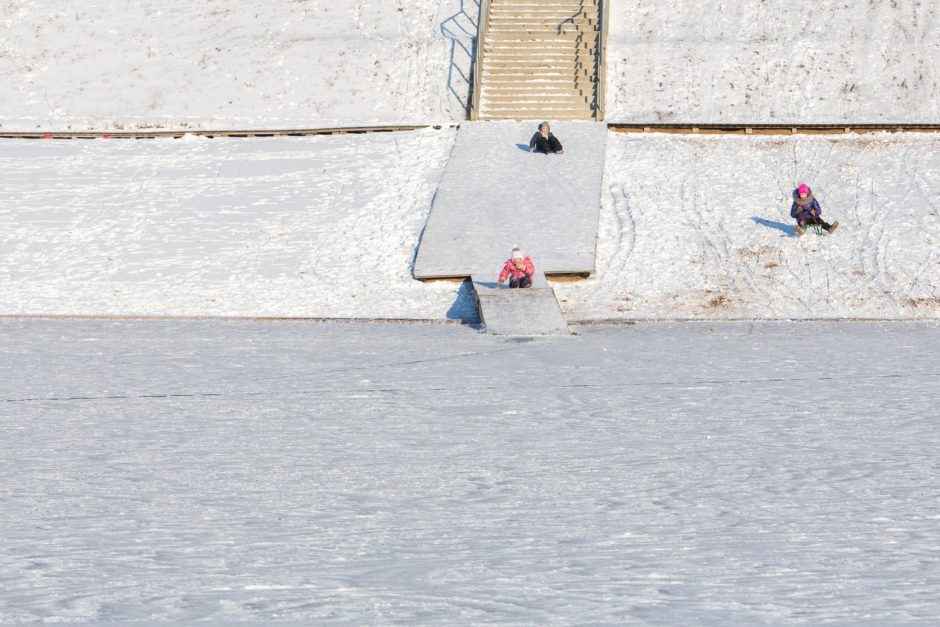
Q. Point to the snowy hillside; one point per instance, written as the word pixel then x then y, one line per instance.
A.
pixel 300 227
pixel 201 64
pixel 318 63
pixel 691 227
pixel 786 61
pixel 699 227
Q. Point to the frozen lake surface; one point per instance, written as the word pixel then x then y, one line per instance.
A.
pixel 657 474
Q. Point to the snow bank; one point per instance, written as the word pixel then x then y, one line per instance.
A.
pixel 309 227
pixel 699 227
pixel 787 61
pixel 208 65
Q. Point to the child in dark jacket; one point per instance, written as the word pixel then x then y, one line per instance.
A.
pixel 545 141
pixel 806 211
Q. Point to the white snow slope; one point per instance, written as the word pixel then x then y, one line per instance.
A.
pixel 691 227
pixel 785 61
pixel 302 227
pixel 377 474
pixel 699 227
pixel 201 64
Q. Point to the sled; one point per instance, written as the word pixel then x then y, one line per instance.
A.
pixel 815 228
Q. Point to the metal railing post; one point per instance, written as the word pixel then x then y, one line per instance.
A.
pixel 601 60
pixel 483 24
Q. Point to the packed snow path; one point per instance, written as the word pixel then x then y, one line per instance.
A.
pixel 706 474
pixel 495 194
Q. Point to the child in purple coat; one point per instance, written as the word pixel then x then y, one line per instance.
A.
pixel 806 211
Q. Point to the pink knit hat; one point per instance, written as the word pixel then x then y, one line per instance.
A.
pixel 803 189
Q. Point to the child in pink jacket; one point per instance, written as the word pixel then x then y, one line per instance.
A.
pixel 520 268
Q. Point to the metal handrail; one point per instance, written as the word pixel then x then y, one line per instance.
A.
pixel 601 60
pixel 483 24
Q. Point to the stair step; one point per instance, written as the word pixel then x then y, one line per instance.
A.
pixel 539 106
pixel 538 4
pixel 539 60
pixel 510 4
pixel 541 45
pixel 528 117
pixel 540 35
pixel 538 51
pixel 532 80
pixel 569 74
pixel 552 34
pixel 537 95
pixel 535 66
pixel 586 23
pixel 527 94
pixel 525 91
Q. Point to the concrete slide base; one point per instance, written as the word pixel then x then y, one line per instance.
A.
pixel 529 311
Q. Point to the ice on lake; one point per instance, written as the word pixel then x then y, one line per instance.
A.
pixel 656 473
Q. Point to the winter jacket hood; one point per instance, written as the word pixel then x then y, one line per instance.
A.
pixel 803 201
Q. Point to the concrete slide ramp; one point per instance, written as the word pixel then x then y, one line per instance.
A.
pixel 496 194
pixel 530 311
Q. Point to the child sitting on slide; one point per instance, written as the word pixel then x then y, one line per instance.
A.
pixel 544 141
pixel 520 268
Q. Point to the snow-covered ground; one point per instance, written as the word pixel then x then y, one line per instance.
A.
pixel 654 474
pixel 319 63
pixel 301 227
pixel 691 227
pixel 784 61
pixel 699 227
pixel 201 64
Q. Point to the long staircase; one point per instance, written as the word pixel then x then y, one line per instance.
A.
pixel 539 59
